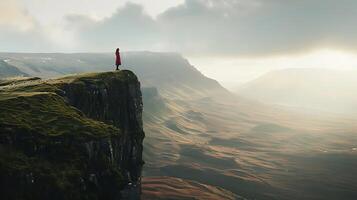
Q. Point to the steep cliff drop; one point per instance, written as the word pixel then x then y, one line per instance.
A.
pixel 77 137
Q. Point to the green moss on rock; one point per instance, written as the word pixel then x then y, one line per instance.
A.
pixel 47 113
pixel 77 137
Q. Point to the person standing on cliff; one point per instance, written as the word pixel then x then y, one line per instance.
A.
pixel 117 60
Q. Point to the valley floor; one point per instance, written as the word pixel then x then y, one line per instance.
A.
pixel 254 152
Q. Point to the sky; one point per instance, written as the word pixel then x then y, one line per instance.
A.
pixel 232 41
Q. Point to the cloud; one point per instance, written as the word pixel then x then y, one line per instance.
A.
pixel 129 27
pixel 242 27
pixel 229 27
pixel 19 31
pixel 13 15
pixel 215 28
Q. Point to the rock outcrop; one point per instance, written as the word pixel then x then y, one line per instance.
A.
pixel 78 137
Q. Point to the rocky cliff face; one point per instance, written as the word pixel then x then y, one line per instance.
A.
pixel 78 137
pixel 118 102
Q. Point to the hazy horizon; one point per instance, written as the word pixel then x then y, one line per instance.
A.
pixel 232 41
pixel 252 70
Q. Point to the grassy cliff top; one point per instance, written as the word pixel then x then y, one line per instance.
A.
pixel 46 113
pixel 34 106
pixel 52 85
pixel 123 75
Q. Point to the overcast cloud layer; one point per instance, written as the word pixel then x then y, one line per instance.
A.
pixel 196 27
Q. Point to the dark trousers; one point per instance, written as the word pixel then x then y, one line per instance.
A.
pixel 117 67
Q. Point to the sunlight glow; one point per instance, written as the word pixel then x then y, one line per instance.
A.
pixel 234 71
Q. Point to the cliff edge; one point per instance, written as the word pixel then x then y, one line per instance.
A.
pixel 77 137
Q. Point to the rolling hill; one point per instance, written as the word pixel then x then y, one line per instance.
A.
pixel 7 70
pixel 319 90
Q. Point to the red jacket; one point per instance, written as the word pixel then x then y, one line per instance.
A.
pixel 117 60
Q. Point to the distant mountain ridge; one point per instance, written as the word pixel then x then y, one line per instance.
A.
pixel 7 70
pixel 172 74
pixel 324 90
